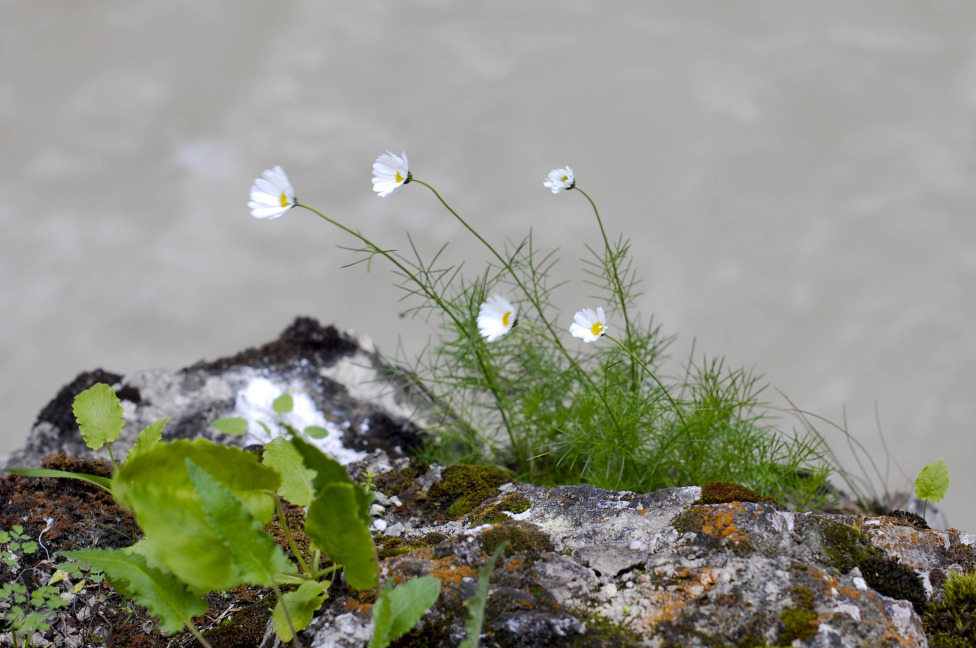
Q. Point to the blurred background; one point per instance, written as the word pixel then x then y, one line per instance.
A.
pixel 797 181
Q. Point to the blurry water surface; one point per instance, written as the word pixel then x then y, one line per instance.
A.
pixel 797 181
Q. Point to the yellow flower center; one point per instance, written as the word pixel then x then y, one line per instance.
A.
pixel 565 178
pixel 284 200
pixel 597 329
pixel 399 178
pixel 507 316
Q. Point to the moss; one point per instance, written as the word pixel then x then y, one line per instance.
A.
pixel 907 518
pixel 722 492
pixel 398 482
pixel 801 620
pixel 846 546
pixel 522 537
pixel 951 622
pixel 495 513
pixel 390 546
pixel 462 488
pixel 798 623
pixel 803 597
pixel 889 577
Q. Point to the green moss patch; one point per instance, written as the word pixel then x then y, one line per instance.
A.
pixel 951 622
pixel 522 537
pixel 722 492
pixel 463 487
pixel 496 513
pixel 800 621
pixel 846 546
pixel 390 546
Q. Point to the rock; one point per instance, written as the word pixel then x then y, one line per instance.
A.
pixel 337 384
pixel 581 566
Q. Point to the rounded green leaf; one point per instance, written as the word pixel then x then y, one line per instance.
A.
pixel 231 425
pixel 99 415
pixel 156 486
pixel 932 482
pixel 283 404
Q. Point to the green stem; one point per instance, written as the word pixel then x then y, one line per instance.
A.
pixel 664 389
pixel 111 457
pixel 284 525
pixel 199 637
pixel 531 297
pixel 618 286
pixel 431 294
pixel 291 625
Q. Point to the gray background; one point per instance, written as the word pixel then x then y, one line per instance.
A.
pixel 797 180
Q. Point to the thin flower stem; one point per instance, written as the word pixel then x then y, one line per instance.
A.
pixel 431 294
pixel 664 389
pixel 618 286
pixel 529 295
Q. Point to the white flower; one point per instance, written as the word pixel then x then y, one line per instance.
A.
pixel 496 317
pixel 560 179
pixel 271 195
pixel 589 326
pixel 390 173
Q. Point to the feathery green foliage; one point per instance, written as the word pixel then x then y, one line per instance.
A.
pixel 552 411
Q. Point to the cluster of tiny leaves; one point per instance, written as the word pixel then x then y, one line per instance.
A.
pixel 29 609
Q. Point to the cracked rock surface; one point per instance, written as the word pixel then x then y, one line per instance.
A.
pixel 581 566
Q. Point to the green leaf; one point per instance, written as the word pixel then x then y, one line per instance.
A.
pixel 283 404
pixel 334 523
pixel 302 604
pixel 398 609
pixel 327 470
pixel 97 480
pixel 148 437
pixel 476 604
pixel 99 415
pixel 231 425
pixel 316 432
pixel 162 594
pixel 255 553
pixel 157 487
pixel 932 482
pixel 296 479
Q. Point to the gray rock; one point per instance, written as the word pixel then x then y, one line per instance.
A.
pixel 584 566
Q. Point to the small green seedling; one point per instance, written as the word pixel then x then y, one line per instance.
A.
pixel 282 405
pixel 932 483
pixel 98 413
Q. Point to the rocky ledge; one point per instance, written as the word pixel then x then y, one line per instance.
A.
pixel 705 565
